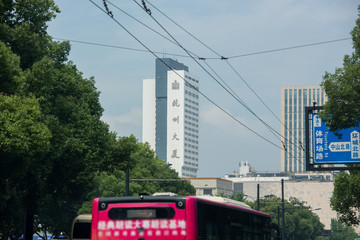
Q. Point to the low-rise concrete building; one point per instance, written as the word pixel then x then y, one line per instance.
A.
pixel 211 186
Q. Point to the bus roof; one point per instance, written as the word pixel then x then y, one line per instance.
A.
pixel 230 203
pixel 224 200
pixel 82 217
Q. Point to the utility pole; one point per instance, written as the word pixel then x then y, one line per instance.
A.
pixel 258 197
pixel 127 182
pixel 283 210
pixel 278 215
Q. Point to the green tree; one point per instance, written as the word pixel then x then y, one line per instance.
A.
pixel 55 151
pixel 346 197
pixel 23 25
pixel 11 75
pixel 341 231
pixel 32 66
pixel 239 196
pixel 300 222
pixel 142 164
pixel 342 111
pixel 343 89
pixel 80 143
pixel 24 142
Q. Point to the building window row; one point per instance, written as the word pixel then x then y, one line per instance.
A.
pixel 191 85
pixel 188 175
pixel 191 135
pixel 191 146
pixel 192 94
pixel 191 124
pixel 191 158
pixel 191 164
pixel 192 152
pixel 189 169
pixel 305 96
pixel 192 79
pixel 191 129
pixel 194 108
pixel 191 118
pixel 192 113
pixel 191 140
pixel 191 101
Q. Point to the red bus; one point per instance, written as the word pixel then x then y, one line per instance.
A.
pixel 175 218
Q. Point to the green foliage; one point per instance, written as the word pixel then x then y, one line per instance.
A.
pixel 80 142
pixel 342 111
pixel 24 142
pixel 52 138
pixel 23 25
pixel 341 231
pixel 239 196
pixel 142 163
pixel 11 75
pixel 343 90
pixel 55 152
pixel 301 223
pixel 346 197
pixel 22 133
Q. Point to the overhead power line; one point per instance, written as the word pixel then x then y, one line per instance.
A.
pixel 210 100
pixel 291 48
pixel 300 146
pixel 227 88
pixel 203 58
pixel 118 47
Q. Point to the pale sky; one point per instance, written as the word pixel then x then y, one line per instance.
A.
pixel 229 27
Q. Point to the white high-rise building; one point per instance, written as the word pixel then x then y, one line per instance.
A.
pixel 179 120
pixel 293 103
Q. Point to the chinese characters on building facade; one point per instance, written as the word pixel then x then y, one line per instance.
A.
pixel 182 123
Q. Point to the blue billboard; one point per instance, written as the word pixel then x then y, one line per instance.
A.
pixel 329 148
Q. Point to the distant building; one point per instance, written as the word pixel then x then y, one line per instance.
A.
pixel 211 186
pixel 171 116
pixel 293 103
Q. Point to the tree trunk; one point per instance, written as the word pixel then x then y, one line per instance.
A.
pixel 29 225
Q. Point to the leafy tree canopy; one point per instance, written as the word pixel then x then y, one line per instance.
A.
pixel 340 231
pixel 301 223
pixel 142 164
pixel 343 89
pixel 24 141
pixel 52 138
pixel 23 25
pixel 342 111
pixel 346 197
pixel 55 152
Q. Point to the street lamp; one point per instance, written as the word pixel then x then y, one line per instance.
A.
pixel 257 201
pixel 249 197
